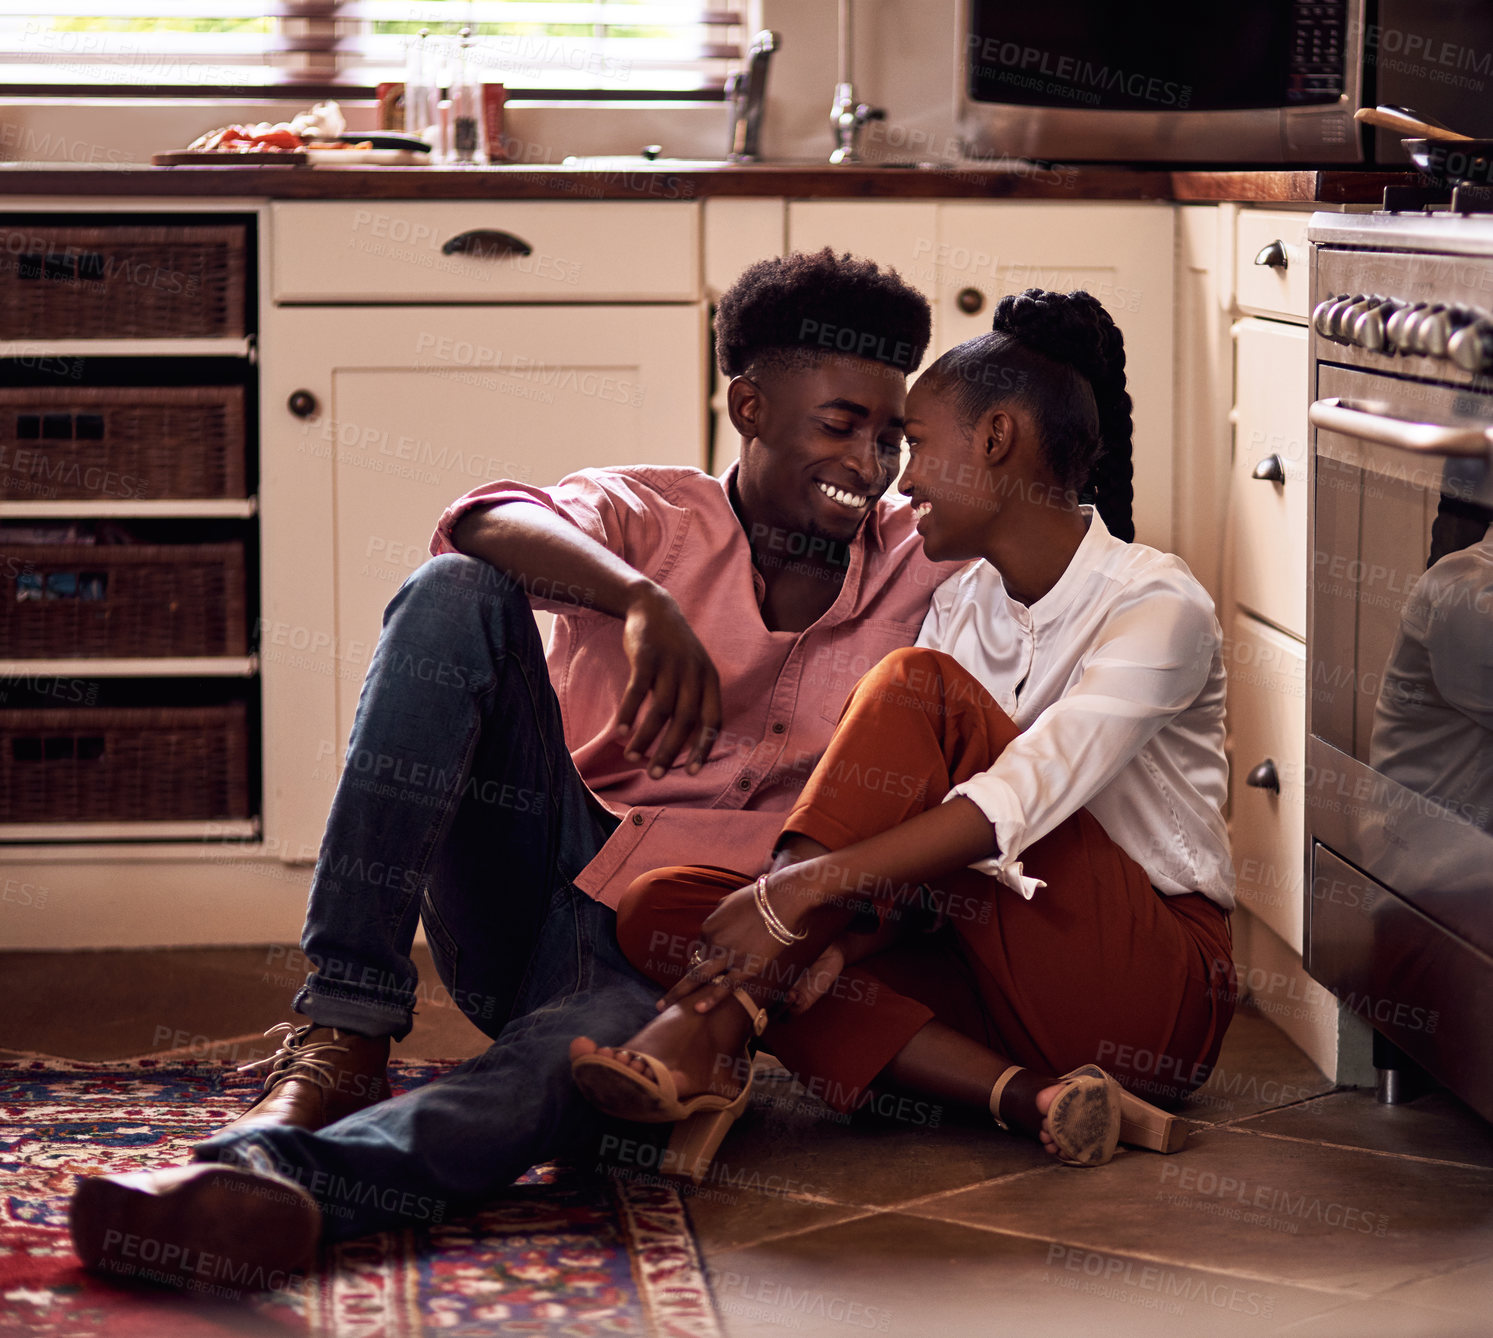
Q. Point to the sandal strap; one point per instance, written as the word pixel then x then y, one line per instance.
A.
pixel 658 1071
pixel 757 1015
pixel 998 1091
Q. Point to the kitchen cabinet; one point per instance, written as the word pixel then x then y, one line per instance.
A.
pixel 378 413
pixel 1263 611
pixel 965 256
pixel 127 506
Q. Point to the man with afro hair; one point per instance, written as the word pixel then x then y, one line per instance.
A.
pixel 708 630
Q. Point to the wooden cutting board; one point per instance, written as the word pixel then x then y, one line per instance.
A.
pixel 219 158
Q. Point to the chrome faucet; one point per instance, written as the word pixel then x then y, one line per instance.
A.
pixel 848 117
pixel 746 95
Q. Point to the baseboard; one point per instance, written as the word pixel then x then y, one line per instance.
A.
pixel 1272 977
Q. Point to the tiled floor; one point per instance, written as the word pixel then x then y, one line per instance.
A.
pixel 1294 1209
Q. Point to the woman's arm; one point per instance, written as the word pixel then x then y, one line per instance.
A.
pixel 820 896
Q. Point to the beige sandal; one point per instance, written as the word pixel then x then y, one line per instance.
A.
pixel 1143 1125
pixel 1083 1120
pixel 700 1122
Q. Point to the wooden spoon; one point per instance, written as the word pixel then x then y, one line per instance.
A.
pixel 1406 122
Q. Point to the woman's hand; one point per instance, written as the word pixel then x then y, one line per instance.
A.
pixel 738 949
pixel 817 981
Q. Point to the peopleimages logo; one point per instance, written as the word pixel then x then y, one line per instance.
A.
pixel 1071 73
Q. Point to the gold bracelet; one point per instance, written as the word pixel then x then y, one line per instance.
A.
pixel 775 926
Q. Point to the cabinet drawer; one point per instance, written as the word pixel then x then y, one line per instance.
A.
pixel 1269 485
pixel 1272 289
pixel 1267 719
pixel 397 251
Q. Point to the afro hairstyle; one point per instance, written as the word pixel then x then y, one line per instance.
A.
pixel 821 303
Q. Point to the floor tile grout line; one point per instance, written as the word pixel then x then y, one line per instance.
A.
pixel 1351 1147
pixel 856 1216
pixel 1316 1287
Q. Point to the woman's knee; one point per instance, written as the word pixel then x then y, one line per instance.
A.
pixel 660 914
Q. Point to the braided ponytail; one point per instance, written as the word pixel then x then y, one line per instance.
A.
pixel 1074 329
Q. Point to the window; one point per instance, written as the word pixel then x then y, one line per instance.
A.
pixel 620 48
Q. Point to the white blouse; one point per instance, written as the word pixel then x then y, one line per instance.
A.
pixel 1115 678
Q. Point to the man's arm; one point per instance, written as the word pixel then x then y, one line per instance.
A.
pixel 554 560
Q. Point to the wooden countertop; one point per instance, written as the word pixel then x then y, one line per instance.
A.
pixel 665 182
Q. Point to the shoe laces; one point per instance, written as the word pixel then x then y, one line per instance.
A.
pixel 298 1058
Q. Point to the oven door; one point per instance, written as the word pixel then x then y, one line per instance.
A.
pixel 1399 783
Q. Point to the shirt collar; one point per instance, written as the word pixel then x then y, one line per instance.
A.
pixel 1089 557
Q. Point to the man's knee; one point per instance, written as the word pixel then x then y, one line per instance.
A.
pixel 454 582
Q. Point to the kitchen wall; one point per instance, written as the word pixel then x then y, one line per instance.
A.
pixel 904 61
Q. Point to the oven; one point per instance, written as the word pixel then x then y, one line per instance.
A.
pixel 1399 759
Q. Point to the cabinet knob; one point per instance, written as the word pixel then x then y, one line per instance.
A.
pixel 1270 470
pixel 1274 255
pixel 302 403
pixel 486 243
pixel 970 301
pixel 1264 777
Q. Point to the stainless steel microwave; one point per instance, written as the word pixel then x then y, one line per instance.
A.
pixel 1251 81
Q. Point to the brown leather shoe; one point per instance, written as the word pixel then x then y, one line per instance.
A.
pixel 212 1229
pixel 317 1076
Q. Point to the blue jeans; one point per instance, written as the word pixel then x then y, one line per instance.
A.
pixel 458 804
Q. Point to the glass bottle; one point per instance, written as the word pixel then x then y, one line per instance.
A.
pixel 468 142
pixel 421 90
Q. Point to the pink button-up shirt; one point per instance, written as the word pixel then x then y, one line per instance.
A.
pixel 781 692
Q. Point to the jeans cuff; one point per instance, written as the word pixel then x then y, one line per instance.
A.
pixel 354 1012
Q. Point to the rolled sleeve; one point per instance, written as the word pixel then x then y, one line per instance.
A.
pixel 626 514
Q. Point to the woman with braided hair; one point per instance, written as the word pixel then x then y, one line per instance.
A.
pixel 1010 868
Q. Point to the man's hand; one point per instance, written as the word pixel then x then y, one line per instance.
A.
pixel 672 671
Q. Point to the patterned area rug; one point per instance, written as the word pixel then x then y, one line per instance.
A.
pixel 562 1253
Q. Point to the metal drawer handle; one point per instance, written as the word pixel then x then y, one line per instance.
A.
pixel 1269 470
pixel 1274 255
pixel 1422 438
pixel 485 244
pixel 1264 777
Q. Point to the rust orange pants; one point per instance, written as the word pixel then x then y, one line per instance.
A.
pixel 1097 967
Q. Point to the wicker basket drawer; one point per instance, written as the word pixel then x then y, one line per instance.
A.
pixel 119 442
pixel 182 281
pixel 122 600
pixel 124 764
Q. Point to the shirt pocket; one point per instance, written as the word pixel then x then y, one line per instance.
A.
pixel 847 655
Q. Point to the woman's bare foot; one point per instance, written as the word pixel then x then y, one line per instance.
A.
pixel 703 1052
pixel 1025 1105
pixel 1045 1098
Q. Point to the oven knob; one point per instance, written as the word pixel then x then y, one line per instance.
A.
pixel 1397 330
pixel 1418 335
pixel 1322 314
pixel 1433 332
pixel 1471 348
pixel 1351 324
pixel 1368 329
pixel 1340 317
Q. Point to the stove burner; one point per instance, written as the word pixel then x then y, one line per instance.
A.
pixel 1415 199
pixel 1472 200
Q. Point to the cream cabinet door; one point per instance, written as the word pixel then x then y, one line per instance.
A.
pixel 408 409
pixel 964 257
pixel 1267 726
pixel 1269 485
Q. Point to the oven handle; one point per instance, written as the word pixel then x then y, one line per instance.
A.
pixel 1422 438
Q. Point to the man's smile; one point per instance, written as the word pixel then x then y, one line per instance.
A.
pixel 854 500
